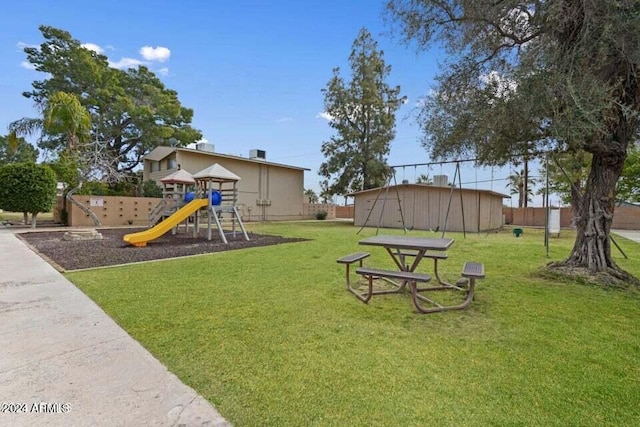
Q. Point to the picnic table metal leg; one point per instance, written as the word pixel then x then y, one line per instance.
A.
pixel 438 308
pixel 348 276
pixel 363 297
pixel 435 271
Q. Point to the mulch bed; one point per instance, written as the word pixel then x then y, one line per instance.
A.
pixel 112 250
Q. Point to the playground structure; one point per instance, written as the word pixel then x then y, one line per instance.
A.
pixel 174 193
pixel 216 196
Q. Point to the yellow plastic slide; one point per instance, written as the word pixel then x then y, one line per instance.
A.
pixel 140 239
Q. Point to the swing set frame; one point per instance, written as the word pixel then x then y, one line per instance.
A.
pixel 392 175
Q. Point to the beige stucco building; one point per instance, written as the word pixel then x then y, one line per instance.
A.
pixel 424 207
pixel 267 191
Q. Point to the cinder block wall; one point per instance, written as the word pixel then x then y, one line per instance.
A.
pixel 310 210
pixel 112 210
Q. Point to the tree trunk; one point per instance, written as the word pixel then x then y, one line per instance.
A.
pixel 576 202
pixel 592 249
pixel 520 195
pixel 33 219
pixel 84 209
pixel 25 218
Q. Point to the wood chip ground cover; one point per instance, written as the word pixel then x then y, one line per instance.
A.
pixel 112 250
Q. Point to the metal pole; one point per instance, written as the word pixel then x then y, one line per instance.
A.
pixel 546 196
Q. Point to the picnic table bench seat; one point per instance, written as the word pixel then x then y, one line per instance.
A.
pixel 394 274
pixel 347 260
pixel 372 274
pixel 351 258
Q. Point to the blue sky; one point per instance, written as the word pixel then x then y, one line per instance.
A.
pixel 251 70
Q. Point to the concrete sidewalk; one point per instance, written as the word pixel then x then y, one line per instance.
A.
pixel 60 352
pixel 629 234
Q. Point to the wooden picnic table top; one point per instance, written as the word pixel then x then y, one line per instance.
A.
pixel 408 242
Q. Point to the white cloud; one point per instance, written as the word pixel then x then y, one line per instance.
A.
pixel 324 115
pixel 284 119
pixel 164 71
pixel 503 85
pixel 92 46
pixel 125 63
pixel 22 45
pixel 158 53
pixel 27 65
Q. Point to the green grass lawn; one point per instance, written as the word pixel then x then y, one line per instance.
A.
pixel 271 337
pixel 19 216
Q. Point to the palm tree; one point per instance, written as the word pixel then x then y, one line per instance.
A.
pixel 63 115
pixel 311 195
pixel 424 179
pixel 517 185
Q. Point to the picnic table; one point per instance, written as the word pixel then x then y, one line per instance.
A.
pixel 400 248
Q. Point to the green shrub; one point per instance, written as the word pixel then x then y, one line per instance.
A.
pixel 321 215
pixel 27 187
pixel 151 189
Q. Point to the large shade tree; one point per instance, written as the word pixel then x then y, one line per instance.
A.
pixel 555 74
pixel 362 112
pixel 131 110
pixel 15 149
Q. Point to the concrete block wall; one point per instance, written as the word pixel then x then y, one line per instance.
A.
pixel 112 210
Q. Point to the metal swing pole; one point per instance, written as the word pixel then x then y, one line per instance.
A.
pixel 464 226
pixel 384 201
pixel 446 217
pixel 548 210
pixel 395 183
pixel 366 221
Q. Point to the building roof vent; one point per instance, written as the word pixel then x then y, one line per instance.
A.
pixel 256 154
pixel 441 180
pixel 205 146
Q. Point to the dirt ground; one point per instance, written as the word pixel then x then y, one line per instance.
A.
pixel 111 250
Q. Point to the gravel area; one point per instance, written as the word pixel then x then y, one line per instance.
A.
pixel 112 250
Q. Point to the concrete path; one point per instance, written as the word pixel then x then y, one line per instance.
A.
pixel 60 352
pixel 629 234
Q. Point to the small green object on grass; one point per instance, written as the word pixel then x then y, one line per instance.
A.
pixel 517 232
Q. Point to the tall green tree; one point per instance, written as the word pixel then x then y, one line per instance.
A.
pixel 15 149
pixel 131 110
pixel 557 74
pixel 362 112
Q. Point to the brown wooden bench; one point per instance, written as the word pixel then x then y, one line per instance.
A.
pixel 374 273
